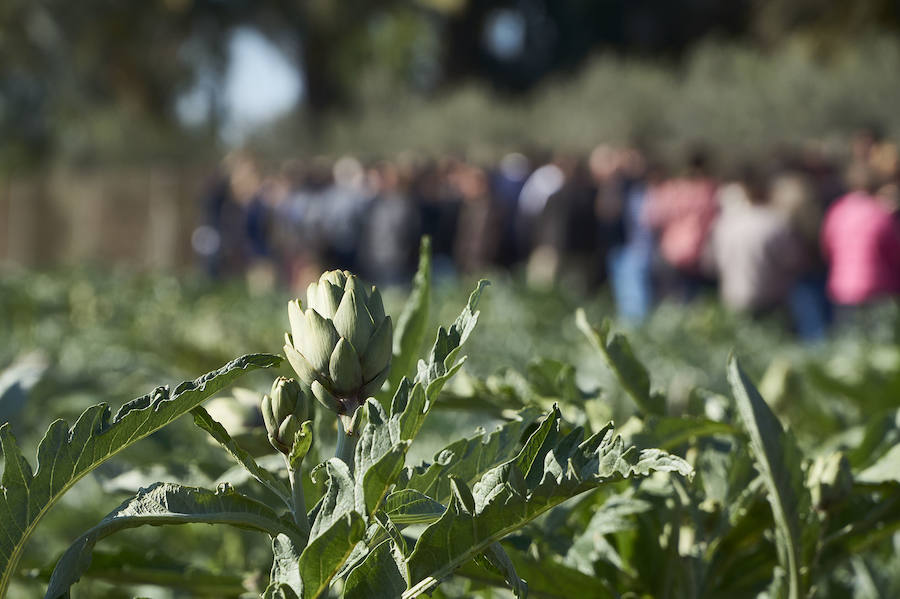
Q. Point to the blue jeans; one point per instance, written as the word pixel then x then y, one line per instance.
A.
pixel 629 270
pixel 810 308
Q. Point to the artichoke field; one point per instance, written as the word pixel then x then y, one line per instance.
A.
pixel 367 467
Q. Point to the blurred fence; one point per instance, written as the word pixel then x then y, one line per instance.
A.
pixel 139 217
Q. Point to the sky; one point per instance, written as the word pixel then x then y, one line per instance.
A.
pixel 260 84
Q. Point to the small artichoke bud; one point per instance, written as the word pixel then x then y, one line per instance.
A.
pixel 288 398
pixel 340 345
pixel 283 412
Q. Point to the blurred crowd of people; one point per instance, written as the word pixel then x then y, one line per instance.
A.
pixel 812 234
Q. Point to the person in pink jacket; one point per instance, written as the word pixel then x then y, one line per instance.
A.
pixel 681 211
pixel 861 242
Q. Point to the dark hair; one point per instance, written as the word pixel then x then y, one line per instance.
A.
pixel 755 181
pixel 698 160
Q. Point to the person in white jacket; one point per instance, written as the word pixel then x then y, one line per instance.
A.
pixel 757 253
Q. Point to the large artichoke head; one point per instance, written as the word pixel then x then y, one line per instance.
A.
pixel 341 344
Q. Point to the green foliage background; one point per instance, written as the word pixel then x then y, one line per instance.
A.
pixel 87 337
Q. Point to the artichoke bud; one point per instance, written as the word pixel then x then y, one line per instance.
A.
pixel 288 398
pixel 340 346
pixel 283 411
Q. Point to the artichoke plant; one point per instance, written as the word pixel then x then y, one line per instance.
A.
pixel 284 412
pixel 341 344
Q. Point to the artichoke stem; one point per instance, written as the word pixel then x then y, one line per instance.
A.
pixel 346 444
pixel 299 500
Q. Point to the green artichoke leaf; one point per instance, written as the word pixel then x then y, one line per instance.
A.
pixel 378 460
pixel 778 460
pixel 167 503
pixel 413 319
pixel 65 455
pixel 381 450
pixel 339 497
pixel 132 565
pixel 497 560
pixel 547 578
pixel 206 422
pixel 469 458
pixel 442 360
pixel 408 506
pixel 326 554
pixel 620 358
pixel 550 468
pixel 381 575
pixel 284 579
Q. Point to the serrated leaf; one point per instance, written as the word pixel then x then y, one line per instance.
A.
pixel 376 532
pixel 779 462
pixel 551 468
pixel 413 319
pixel 629 371
pixel 468 459
pixel 325 554
pixel 66 455
pixel 167 503
pixel 442 363
pixel 203 420
pixel 413 400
